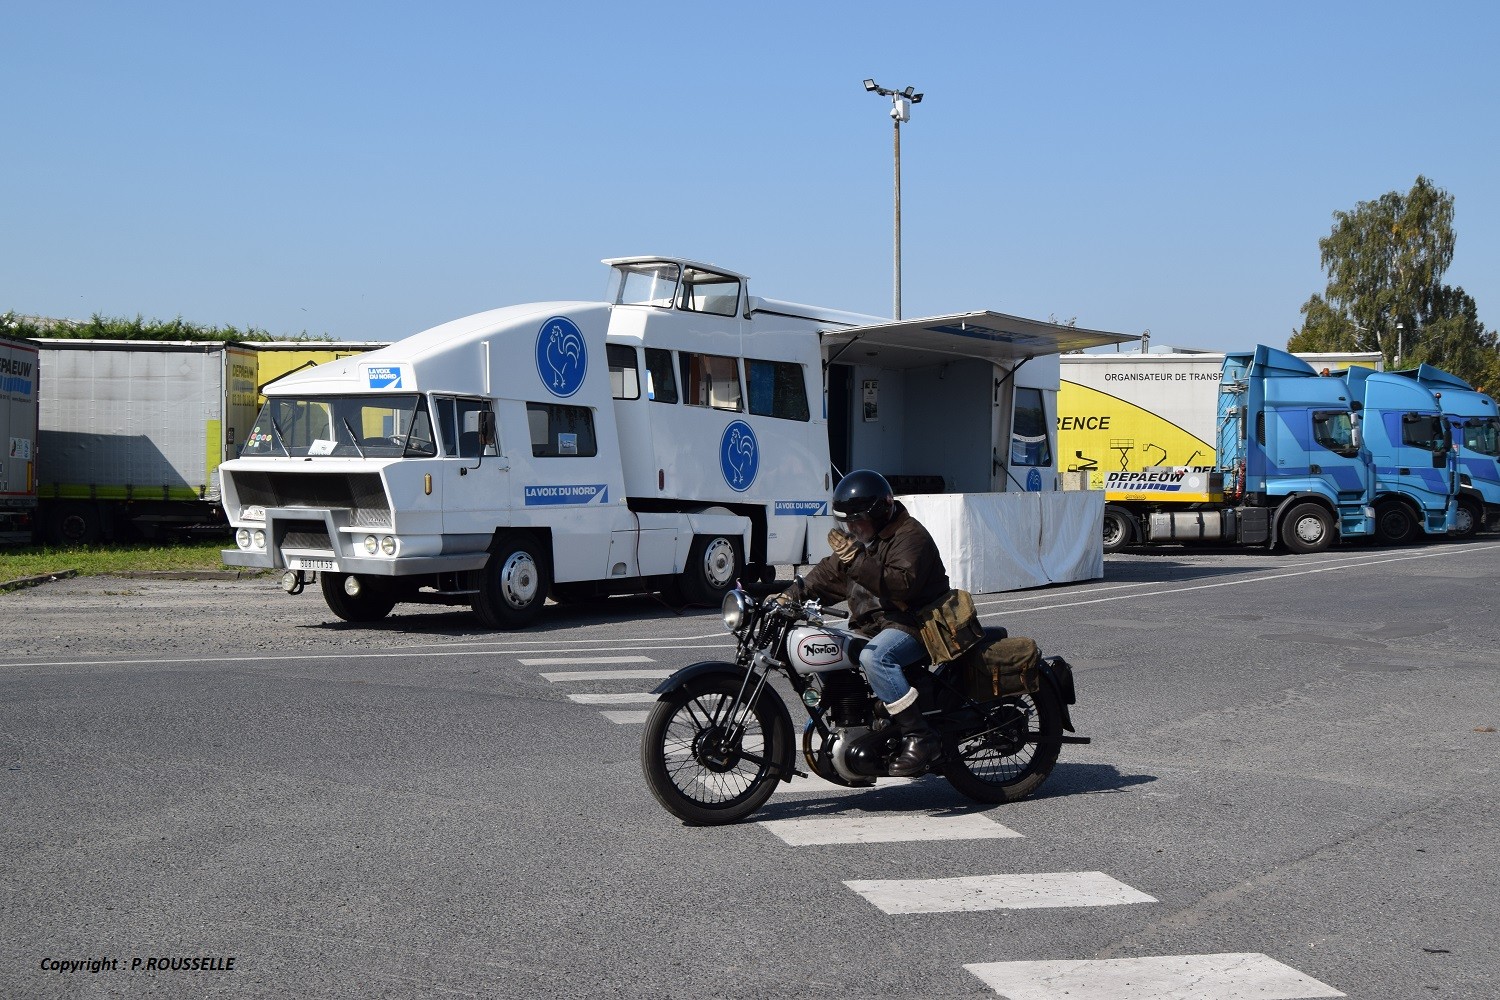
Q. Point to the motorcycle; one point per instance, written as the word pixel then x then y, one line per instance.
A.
pixel 719 736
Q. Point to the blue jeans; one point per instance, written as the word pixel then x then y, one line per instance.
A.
pixel 883 659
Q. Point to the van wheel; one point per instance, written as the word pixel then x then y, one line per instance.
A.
pixel 514 583
pixel 1307 527
pixel 1395 524
pixel 373 602
pixel 1119 528
pixel 713 564
pixel 1467 519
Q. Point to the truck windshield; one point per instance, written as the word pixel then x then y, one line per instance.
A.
pixel 653 283
pixel 342 426
pixel 1482 435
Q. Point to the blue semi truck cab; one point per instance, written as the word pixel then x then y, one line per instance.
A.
pixel 1290 450
pixel 1410 447
pixel 1474 421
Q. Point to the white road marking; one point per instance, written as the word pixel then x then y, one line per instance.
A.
pixel 997 892
pixel 643 698
pixel 559 660
pixel 879 828
pixel 608 675
pixel 626 718
pixel 1167 977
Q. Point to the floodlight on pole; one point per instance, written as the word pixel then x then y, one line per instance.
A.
pixel 901 102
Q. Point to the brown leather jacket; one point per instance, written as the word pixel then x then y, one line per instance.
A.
pixel 897 573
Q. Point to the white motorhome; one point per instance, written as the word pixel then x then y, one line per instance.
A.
pixel 675 437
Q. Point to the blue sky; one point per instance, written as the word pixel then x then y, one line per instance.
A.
pixel 368 170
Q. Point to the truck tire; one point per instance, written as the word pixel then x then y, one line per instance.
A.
pixel 1307 527
pixel 513 585
pixel 1395 523
pixel 1119 528
pixel 373 602
pixel 74 522
pixel 713 564
pixel 1468 518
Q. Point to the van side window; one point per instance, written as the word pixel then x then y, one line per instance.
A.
pixel 624 376
pixel 458 425
pixel 711 380
pixel 561 431
pixel 1028 436
pixel 777 389
pixel 706 292
pixel 661 381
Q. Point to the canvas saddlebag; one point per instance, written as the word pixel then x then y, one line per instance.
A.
pixel 1002 668
pixel 950 626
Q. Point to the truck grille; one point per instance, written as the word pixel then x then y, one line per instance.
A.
pixel 360 493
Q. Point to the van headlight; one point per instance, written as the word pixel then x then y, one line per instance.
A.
pixel 259 538
pixel 388 545
pixel 736 610
pixel 242 538
pixel 372 545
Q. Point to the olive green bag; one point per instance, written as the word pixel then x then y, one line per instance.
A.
pixel 950 626
pixel 1002 668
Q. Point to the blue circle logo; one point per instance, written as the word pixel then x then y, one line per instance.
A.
pixel 562 357
pixel 739 456
pixel 1034 481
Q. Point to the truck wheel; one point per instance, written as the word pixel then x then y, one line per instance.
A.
pixel 1307 527
pixel 1395 524
pixel 514 584
pixel 373 602
pixel 1119 528
pixel 713 564
pixel 74 523
pixel 1467 520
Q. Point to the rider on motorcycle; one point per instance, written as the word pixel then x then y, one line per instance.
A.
pixel 885 565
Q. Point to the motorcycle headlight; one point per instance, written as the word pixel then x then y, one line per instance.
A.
pixel 736 610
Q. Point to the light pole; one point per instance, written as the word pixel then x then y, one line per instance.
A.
pixel 1400 342
pixel 901 102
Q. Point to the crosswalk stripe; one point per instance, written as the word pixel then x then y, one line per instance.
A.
pixel 635 698
pixel 867 828
pixel 546 660
pixel 627 718
pixel 997 892
pixel 608 675
pixel 1242 976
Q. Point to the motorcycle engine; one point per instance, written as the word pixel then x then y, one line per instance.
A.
pixel 847 698
pixel 859 754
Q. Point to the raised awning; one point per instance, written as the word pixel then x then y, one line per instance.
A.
pixel 996 337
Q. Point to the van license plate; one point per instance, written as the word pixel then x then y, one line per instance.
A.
pixel 305 562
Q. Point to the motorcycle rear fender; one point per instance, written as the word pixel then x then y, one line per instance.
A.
pixel 1059 673
pixel 693 672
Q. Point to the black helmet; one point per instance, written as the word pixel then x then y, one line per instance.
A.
pixel 864 493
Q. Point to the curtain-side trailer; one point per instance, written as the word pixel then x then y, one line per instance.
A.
pixel 132 433
pixel 19 373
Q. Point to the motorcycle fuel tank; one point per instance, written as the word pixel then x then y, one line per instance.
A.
pixel 814 650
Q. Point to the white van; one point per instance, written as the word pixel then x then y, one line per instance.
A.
pixel 672 438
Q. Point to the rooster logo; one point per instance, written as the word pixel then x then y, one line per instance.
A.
pixel 561 356
pixel 739 456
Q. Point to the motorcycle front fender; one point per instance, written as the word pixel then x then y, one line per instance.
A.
pixel 695 673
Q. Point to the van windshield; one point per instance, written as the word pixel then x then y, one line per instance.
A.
pixel 342 426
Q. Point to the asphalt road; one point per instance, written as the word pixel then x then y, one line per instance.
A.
pixel 1294 763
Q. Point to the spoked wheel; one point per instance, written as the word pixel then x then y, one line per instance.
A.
pixel 708 760
pixel 1012 753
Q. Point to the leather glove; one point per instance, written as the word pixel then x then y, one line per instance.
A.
pixel 844 547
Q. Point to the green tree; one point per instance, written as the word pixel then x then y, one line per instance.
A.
pixel 98 327
pixel 1385 262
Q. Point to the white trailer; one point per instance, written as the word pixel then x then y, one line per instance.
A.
pixel 674 437
pixel 18 422
pixel 133 431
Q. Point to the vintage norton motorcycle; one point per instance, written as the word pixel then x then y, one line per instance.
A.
pixel 720 737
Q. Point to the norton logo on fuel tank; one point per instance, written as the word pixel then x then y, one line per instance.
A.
pixel 818 650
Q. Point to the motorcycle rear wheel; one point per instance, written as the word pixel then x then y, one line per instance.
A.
pixel 697 768
pixel 1013 754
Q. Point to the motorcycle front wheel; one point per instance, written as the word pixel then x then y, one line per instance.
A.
pixel 1010 755
pixel 706 767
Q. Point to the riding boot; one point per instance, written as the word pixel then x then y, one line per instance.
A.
pixel 921 747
